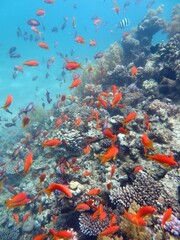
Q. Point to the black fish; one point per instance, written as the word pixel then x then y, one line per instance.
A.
pixel 15 55
pixel 35 78
pixel 12 49
pixel 123 23
pixel 14 75
pixel 33 22
pixel 9 125
pixel 49 100
pixel 64 23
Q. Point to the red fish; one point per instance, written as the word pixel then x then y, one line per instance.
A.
pixel 43 45
pixel 16 217
pixel 130 117
pixel 31 63
pixel 18 200
pixel 8 102
pixel 25 217
pixel 164 160
pixel 144 211
pixel 109 231
pixel 134 71
pixel 42 178
pixel 148 144
pixel 87 149
pixel 102 102
pixel 56 186
pixel 34 29
pixel 166 217
pixel 62 234
pixel 42 236
pixel 107 132
pixel 137 169
pixel 82 207
pixel 58 122
pixel 99 213
pixel 25 121
pixel 93 43
pixel 19 68
pixel 114 89
pixel 116 99
pixel 112 171
pixel 51 143
pixel 77 122
pixel 94 191
pixel 147 124
pixel 109 154
pixel 72 66
pixel 40 12
pixel 86 173
pixel 80 39
pixel 135 219
pixel 116 9
pixel 76 83
pixel 123 130
pixel 28 162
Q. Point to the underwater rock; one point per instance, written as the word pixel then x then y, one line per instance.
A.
pixel 28 226
pixel 167 86
pixel 150 87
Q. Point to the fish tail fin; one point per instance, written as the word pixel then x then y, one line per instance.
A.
pixel 46 190
pixel 4 107
pixel 150 144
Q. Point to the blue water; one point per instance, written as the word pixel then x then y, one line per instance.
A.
pixel 14 14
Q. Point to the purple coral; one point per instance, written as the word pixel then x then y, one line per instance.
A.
pixel 172 226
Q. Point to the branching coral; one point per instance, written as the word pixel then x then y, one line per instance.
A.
pixel 173 27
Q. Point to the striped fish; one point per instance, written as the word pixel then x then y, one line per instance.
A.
pixel 123 23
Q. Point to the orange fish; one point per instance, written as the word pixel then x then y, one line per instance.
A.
pixel 51 143
pixel 58 122
pixel 147 143
pixel 130 117
pixel 1 183
pixel 56 186
pixel 76 83
pixel 25 217
pixel 72 66
pixel 8 102
pixel 86 173
pixel 102 102
pixel 99 213
pixel 40 208
pixel 77 122
pixel 18 200
pixel 43 45
pixel 117 98
pixel 114 89
pixel 92 43
pixel 109 231
pixel 134 219
pixel 16 217
pixel 164 160
pixel 147 124
pixel 112 171
pixel 25 121
pixel 80 39
pixel 123 130
pixel 97 21
pixel 137 169
pixel 146 210
pixel 31 63
pixel 75 169
pixel 94 191
pixel 19 68
pixel 42 177
pixel 40 12
pixel 116 9
pixel 87 149
pixel 107 132
pixel 82 207
pixel 62 234
pixel 28 162
pixel 134 71
pixel 42 236
pixel 166 217
pixel 109 154
pixel 34 29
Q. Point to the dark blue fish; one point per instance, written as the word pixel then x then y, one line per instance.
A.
pixel 98 55
pixel 123 23
pixel 33 22
pixel 12 49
